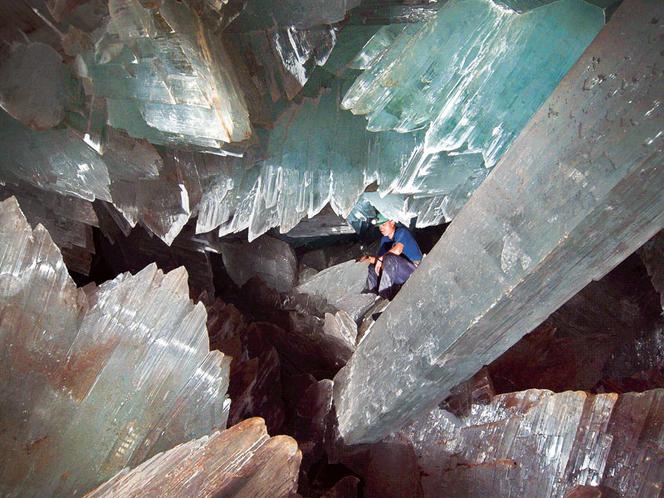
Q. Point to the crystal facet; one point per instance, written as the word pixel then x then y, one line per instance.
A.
pixel 242 461
pixel 536 231
pixel 539 443
pixel 102 377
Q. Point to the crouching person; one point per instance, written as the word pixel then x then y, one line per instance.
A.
pixel 397 258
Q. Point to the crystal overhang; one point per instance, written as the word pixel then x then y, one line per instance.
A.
pixel 269 88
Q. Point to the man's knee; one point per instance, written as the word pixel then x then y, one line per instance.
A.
pixel 372 279
pixel 390 259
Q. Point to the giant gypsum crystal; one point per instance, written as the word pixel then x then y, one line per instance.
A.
pixel 537 443
pixel 162 73
pixel 242 461
pixel 167 77
pixel 538 230
pixel 96 378
pixel 413 90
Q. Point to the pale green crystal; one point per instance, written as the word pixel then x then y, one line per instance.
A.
pixel 36 86
pixel 522 5
pixel 163 74
pixel 98 378
pixel 263 14
pixel 56 160
pixel 287 56
pixel 573 196
pixel 131 174
pixel 473 75
pixel 167 77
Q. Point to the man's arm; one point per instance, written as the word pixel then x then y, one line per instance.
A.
pixel 396 249
pixel 372 260
pixel 405 239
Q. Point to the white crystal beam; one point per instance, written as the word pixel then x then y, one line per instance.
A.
pixel 578 191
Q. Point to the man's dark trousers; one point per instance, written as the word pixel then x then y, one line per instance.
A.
pixel 395 272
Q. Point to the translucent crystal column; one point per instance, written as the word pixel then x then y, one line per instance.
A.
pixel 539 443
pixel 243 461
pixel 98 378
pixel 578 191
pixel 166 77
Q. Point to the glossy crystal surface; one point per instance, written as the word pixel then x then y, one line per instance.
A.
pixel 537 230
pixel 101 377
pixel 166 77
pixel 242 461
pixel 539 443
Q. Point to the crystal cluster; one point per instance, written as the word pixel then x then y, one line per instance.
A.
pixel 432 175
pixel 266 85
pixel 242 461
pixel 69 221
pixel 101 377
pixel 537 443
pixel 146 133
pixel 459 88
pixel 165 76
pixel 537 230
pixel 448 75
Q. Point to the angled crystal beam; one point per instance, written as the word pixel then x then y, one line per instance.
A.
pixel 166 77
pixel 578 191
pixel 242 461
pixel 539 443
pixel 97 378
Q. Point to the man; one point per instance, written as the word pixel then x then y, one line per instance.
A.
pixel 397 258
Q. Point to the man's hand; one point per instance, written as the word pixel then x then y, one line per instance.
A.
pixel 372 260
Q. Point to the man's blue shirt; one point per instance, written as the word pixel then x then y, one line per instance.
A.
pixel 410 248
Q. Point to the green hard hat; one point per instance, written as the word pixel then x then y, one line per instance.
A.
pixel 379 220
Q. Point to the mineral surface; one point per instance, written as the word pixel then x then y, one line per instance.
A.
pixel 166 77
pixel 652 254
pixel 268 258
pixel 537 443
pixel 95 378
pixel 265 88
pixel 243 461
pixel 341 286
pixel 534 233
